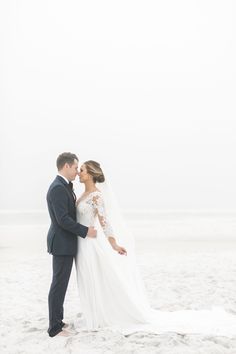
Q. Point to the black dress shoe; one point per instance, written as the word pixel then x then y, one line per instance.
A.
pixel 53 333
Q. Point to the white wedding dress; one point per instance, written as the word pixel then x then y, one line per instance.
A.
pixel 112 294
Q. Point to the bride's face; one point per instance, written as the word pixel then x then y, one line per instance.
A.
pixel 83 174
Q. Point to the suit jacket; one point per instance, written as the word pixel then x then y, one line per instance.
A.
pixel 63 232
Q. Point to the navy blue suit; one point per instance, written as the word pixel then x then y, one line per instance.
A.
pixel 62 243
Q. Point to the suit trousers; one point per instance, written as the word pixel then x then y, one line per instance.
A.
pixel 62 266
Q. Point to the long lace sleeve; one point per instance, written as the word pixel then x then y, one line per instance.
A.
pixel 99 207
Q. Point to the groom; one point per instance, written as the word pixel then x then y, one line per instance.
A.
pixel 62 237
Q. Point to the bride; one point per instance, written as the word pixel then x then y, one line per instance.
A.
pixel 111 291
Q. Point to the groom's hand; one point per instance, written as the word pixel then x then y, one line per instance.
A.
pixel 92 232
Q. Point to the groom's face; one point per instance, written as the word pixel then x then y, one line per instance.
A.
pixel 72 171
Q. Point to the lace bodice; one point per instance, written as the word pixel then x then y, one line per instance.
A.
pixel 91 207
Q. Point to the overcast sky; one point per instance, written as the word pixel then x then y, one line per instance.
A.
pixel 147 88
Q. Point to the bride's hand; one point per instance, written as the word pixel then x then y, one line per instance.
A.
pixel 120 250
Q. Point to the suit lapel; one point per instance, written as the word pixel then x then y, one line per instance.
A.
pixel 59 178
pixel 69 190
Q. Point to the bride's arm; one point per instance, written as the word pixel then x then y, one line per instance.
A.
pixel 111 239
pixel 107 229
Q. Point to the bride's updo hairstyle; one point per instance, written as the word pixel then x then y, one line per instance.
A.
pixel 93 168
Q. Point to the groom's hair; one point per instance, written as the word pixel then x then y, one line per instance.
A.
pixel 66 157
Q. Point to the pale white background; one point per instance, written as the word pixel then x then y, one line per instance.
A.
pixel 147 88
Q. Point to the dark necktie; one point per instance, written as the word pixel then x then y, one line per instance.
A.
pixel 71 187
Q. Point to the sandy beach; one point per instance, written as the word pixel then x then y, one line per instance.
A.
pixel 178 275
